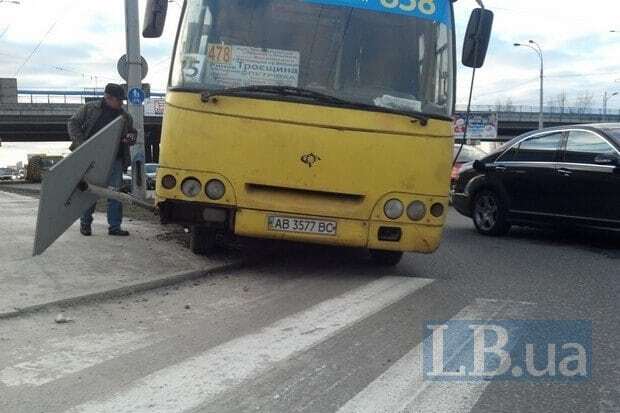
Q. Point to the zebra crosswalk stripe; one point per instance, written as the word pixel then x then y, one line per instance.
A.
pixel 402 387
pixel 68 356
pixel 198 380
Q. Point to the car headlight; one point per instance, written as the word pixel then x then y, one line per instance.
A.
pixel 393 209
pixel 168 182
pixel 215 189
pixel 191 187
pixel 416 210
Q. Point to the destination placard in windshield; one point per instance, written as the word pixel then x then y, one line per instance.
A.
pixel 436 10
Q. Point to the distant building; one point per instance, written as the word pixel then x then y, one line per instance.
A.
pixel 8 90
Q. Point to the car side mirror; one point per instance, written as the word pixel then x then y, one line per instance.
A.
pixel 155 18
pixel 477 38
pixel 479 166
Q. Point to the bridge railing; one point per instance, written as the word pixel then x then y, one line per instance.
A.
pixel 510 113
pixel 64 97
pixel 551 113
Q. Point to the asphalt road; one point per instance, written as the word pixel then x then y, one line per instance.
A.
pixel 316 329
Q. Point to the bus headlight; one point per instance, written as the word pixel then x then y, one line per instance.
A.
pixel 393 209
pixel 437 210
pixel 416 210
pixel 215 189
pixel 191 187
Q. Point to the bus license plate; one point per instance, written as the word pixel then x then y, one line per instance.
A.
pixel 302 225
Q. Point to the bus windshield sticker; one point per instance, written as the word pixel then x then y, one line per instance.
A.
pixel 239 66
pixel 435 10
pixel 192 67
pixel 393 102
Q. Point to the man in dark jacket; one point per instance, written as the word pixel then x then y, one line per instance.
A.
pixel 89 120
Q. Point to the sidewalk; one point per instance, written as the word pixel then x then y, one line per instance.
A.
pixel 77 267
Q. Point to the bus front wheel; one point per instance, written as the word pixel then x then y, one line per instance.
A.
pixel 202 240
pixel 386 258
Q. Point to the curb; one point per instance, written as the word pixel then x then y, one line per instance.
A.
pixel 16 189
pixel 123 291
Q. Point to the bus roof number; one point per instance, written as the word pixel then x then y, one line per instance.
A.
pixel 435 10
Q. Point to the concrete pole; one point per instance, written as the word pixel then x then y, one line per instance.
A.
pixel 536 47
pixel 541 121
pixel 132 28
pixel 606 98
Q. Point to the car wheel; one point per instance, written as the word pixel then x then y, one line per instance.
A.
pixel 489 214
pixel 386 258
pixel 202 241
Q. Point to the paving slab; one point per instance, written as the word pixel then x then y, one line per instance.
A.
pixel 76 266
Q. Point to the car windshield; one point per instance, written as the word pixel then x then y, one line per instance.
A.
pixel 150 168
pixel 392 56
pixel 48 163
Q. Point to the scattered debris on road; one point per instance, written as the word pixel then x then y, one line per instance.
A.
pixel 61 319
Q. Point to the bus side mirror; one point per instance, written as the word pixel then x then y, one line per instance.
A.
pixel 155 18
pixel 477 38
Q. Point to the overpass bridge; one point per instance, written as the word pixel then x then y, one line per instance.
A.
pixel 516 120
pixel 42 116
pixel 42 122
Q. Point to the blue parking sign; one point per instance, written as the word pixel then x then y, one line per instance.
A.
pixel 136 96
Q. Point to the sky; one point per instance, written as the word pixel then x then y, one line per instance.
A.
pixel 81 41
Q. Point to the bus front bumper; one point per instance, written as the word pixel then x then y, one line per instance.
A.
pixel 349 233
pixel 381 235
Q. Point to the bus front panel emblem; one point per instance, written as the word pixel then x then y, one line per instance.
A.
pixel 310 159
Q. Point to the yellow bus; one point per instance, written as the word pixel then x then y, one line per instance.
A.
pixel 317 121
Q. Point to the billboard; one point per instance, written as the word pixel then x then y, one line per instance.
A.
pixel 154 107
pixel 481 126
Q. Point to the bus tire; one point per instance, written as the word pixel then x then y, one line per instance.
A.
pixel 386 258
pixel 202 241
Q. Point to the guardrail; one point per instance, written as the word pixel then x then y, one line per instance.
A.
pixel 535 110
pixel 512 113
pixel 61 96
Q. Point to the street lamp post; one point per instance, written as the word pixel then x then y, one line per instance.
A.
pixel 536 47
pixel 606 98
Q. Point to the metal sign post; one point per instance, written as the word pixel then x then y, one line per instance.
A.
pixel 134 103
pixel 74 184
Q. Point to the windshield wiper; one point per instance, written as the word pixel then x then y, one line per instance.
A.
pixel 308 94
pixel 277 90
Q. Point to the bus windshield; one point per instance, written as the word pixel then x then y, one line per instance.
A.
pixel 397 55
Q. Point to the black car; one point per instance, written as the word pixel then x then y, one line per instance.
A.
pixel 556 176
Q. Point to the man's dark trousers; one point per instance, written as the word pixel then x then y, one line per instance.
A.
pixel 115 208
